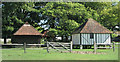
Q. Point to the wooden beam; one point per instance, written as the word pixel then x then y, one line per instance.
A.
pixel 63 46
pixel 94 47
pixel 117 43
pixel 47 47
pixel 103 44
pixel 12 44
pixel 71 47
pixel 22 44
pixel 24 47
pixel 58 42
pixel 81 47
pixel 104 47
pixel 113 47
pixel 53 47
pixel 35 44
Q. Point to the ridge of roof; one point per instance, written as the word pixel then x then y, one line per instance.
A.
pixel 91 26
pixel 27 29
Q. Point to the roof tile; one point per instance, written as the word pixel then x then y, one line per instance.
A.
pixel 91 26
pixel 27 29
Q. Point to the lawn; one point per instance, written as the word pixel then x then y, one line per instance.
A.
pixel 41 54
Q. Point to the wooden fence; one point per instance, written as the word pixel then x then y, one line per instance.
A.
pixel 112 46
pixel 50 45
pixel 59 46
pixel 24 45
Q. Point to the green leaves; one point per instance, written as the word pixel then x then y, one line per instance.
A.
pixel 62 18
pixel 109 17
pixel 9 28
pixel 14 15
pixel 52 32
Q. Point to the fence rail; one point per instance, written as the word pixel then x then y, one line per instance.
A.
pixel 21 44
pixel 117 43
pixel 58 46
pixel 96 44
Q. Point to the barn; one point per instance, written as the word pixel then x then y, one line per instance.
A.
pixel 28 34
pixel 91 31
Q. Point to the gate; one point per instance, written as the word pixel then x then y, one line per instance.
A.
pixel 59 46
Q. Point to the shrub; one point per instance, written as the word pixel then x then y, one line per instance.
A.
pixel 114 35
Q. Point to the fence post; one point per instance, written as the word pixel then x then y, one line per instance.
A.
pixel 47 47
pixel 113 46
pixel 71 46
pixel 24 47
pixel 94 47
pixel 81 47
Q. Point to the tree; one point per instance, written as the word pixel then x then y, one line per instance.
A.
pixel 65 17
pixel 14 15
pixel 107 12
pixel 66 27
pixel 52 34
pixel 61 18
pixel 109 17
pixel 9 19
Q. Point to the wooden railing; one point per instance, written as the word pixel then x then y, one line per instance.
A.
pixel 112 46
pixel 24 45
pixel 58 46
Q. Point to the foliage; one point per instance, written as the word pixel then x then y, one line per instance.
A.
pixel 114 35
pixel 109 17
pixel 14 15
pixel 60 18
pixel 65 17
pixel 52 32
pixel 66 27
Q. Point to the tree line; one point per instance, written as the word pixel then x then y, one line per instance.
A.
pixel 60 18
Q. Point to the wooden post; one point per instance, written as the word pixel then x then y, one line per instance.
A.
pixel 70 46
pixel 94 47
pixel 81 47
pixel 47 47
pixel 39 43
pixel 24 47
pixel 113 46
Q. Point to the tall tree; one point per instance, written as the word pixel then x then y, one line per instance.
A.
pixel 65 17
pixel 14 15
pixel 109 17
pixel 107 11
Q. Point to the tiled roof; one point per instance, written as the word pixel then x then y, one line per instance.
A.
pixel 91 26
pixel 27 29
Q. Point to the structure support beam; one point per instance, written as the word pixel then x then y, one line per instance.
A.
pixel 24 47
pixel 95 47
pixel 113 47
pixel 71 46
pixel 47 47
pixel 81 47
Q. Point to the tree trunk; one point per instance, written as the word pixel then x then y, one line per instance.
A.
pixel 5 40
pixel 54 39
pixel 70 38
pixel 62 38
pixel 66 38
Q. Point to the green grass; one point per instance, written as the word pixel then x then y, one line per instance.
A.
pixel 41 54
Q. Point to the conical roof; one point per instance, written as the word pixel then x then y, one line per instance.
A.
pixel 91 26
pixel 27 29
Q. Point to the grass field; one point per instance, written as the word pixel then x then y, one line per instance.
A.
pixel 41 54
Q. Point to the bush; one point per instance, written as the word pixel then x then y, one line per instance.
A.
pixel 114 35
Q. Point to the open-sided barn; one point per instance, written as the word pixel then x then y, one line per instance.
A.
pixel 28 34
pixel 89 32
